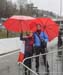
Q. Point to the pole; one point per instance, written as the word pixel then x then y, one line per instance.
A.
pixel 7 34
pixel 60 8
pixel 60 25
pixel 30 1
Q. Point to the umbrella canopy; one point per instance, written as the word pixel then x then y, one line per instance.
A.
pixel 18 23
pixel 47 25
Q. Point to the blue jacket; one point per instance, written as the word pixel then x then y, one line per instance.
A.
pixel 37 40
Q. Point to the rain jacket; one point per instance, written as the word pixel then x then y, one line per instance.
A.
pixel 37 41
pixel 28 45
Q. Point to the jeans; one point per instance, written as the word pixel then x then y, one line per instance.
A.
pixel 28 61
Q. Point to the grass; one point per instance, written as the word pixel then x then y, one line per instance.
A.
pixel 3 34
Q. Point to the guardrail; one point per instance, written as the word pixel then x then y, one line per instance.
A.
pixel 55 66
pixel 11 52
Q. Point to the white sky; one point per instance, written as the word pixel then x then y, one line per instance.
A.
pixel 50 5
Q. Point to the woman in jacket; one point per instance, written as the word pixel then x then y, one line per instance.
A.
pixel 40 44
pixel 28 49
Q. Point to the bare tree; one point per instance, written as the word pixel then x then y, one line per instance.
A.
pixel 2 7
pixel 7 8
pixel 10 9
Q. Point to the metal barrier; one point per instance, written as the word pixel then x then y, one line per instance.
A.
pixel 22 69
pixel 11 67
pixel 55 63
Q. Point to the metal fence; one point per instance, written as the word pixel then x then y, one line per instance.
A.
pixel 10 66
pixel 55 63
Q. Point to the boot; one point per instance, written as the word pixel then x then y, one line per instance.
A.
pixel 47 72
pixel 37 70
pixel 25 73
pixel 28 72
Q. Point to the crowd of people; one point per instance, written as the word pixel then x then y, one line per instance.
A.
pixel 35 43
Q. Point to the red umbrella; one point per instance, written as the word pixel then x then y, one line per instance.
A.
pixel 47 25
pixel 18 23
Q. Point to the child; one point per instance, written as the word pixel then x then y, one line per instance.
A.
pixel 28 49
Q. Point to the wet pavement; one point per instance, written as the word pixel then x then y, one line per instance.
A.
pixel 9 66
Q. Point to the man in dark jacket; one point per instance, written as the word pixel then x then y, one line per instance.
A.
pixel 59 43
pixel 40 44
pixel 28 50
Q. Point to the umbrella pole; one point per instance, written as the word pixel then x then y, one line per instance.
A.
pixel 7 34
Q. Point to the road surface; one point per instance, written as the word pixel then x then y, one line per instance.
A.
pixel 9 65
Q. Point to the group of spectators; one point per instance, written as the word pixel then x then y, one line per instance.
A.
pixel 35 43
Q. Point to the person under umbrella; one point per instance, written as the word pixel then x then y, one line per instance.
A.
pixel 28 49
pixel 59 42
pixel 40 44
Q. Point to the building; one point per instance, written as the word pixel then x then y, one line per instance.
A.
pixel 59 21
pixel 1 23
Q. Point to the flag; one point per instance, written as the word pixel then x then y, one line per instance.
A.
pixel 21 52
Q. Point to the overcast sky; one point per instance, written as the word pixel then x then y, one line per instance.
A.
pixel 50 5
